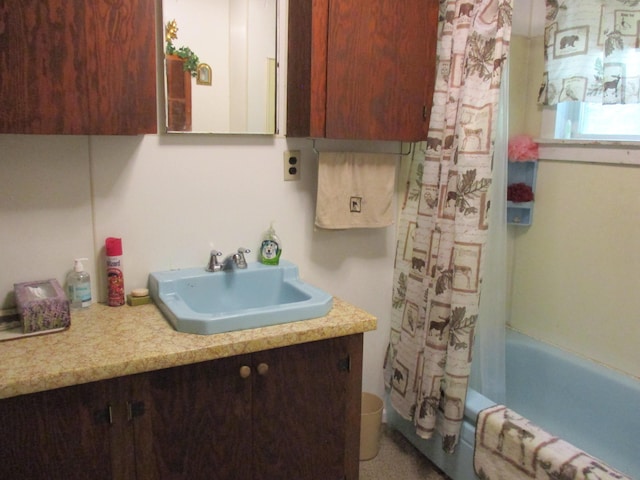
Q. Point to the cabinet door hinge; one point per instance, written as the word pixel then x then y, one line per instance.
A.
pixel 103 416
pixel 424 112
pixel 344 364
pixel 134 409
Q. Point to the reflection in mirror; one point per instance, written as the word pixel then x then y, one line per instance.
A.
pixel 230 48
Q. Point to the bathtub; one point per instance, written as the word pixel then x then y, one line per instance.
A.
pixel 594 408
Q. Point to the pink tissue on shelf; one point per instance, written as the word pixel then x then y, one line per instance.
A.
pixel 42 305
pixel 522 148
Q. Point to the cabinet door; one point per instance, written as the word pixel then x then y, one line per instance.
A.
pixel 71 67
pixel 380 68
pixel 44 86
pixel 121 66
pixel 306 410
pixel 196 422
pixel 178 95
pixel 361 70
pixel 59 434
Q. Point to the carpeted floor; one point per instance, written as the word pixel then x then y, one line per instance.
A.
pixel 398 459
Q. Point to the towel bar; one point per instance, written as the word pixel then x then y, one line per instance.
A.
pixel 402 153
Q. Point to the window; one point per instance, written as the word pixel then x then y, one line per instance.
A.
pixel 592 121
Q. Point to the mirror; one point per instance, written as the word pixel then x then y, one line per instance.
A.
pixel 230 46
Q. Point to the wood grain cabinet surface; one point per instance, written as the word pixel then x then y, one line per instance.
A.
pixel 178 95
pixel 361 70
pixel 78 67
pixel 291 412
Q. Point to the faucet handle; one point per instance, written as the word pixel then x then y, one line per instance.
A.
pixel 213 265
pixel 241 262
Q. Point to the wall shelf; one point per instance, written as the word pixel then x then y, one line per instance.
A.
pixel 521 213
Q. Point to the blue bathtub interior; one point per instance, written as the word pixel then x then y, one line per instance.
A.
pixel 586 404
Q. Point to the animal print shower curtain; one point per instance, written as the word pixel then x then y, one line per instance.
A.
pixel 591 52
pixel 443 223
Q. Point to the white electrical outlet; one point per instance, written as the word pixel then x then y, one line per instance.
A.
pixel 291 165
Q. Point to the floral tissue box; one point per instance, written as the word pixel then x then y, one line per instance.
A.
pixel 42 305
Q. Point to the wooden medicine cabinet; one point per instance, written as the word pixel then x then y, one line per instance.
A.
pixel 361 71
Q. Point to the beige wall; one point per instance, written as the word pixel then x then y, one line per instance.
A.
pixel 169 197
pixel 575 270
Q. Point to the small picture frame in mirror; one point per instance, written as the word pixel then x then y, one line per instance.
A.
pixel 204 74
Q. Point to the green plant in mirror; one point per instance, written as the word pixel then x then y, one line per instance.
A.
pixel 191 60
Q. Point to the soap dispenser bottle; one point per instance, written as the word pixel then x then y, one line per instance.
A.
pixel 271 248
pixel 79 285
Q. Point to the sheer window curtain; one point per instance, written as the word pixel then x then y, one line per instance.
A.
pixel 591 52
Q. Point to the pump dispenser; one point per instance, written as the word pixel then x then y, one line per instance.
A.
pixel 79 285
pixel 271 247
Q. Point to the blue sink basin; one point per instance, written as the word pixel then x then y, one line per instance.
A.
pixel 197 301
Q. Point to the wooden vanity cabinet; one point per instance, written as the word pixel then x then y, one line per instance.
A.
pixel 291 412
pixel 55 434
pixel 78 67
pixel 196 423
pixel 361 70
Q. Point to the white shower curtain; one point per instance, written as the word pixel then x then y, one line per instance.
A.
pixel 443 226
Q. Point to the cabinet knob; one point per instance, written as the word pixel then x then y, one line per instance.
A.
pixel 262 368
pixel 245 371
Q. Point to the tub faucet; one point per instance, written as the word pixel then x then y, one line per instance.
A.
pixel 237 260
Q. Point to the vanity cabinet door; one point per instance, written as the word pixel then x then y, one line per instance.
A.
pixel 59 434
pixel 77 67
pixel 361 71
pixel 286 413
pixel 306 410
pixel 196 422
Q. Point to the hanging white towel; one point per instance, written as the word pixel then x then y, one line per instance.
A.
pixel 355 190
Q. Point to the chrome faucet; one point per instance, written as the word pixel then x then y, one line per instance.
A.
pixel 213 265
pixel 237 259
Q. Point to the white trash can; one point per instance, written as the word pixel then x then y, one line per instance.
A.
pixel 370 425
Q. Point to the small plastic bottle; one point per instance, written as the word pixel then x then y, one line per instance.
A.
pixel 115 277
pixel 79 285
pixel 271 248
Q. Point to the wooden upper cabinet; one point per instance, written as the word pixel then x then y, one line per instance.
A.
pixel 121 40
pixel 78 67
pixel 179 118
pixel 361 70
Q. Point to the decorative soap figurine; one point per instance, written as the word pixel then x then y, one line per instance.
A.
pixel 271 248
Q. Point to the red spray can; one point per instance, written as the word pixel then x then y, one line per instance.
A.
pixel 115 278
